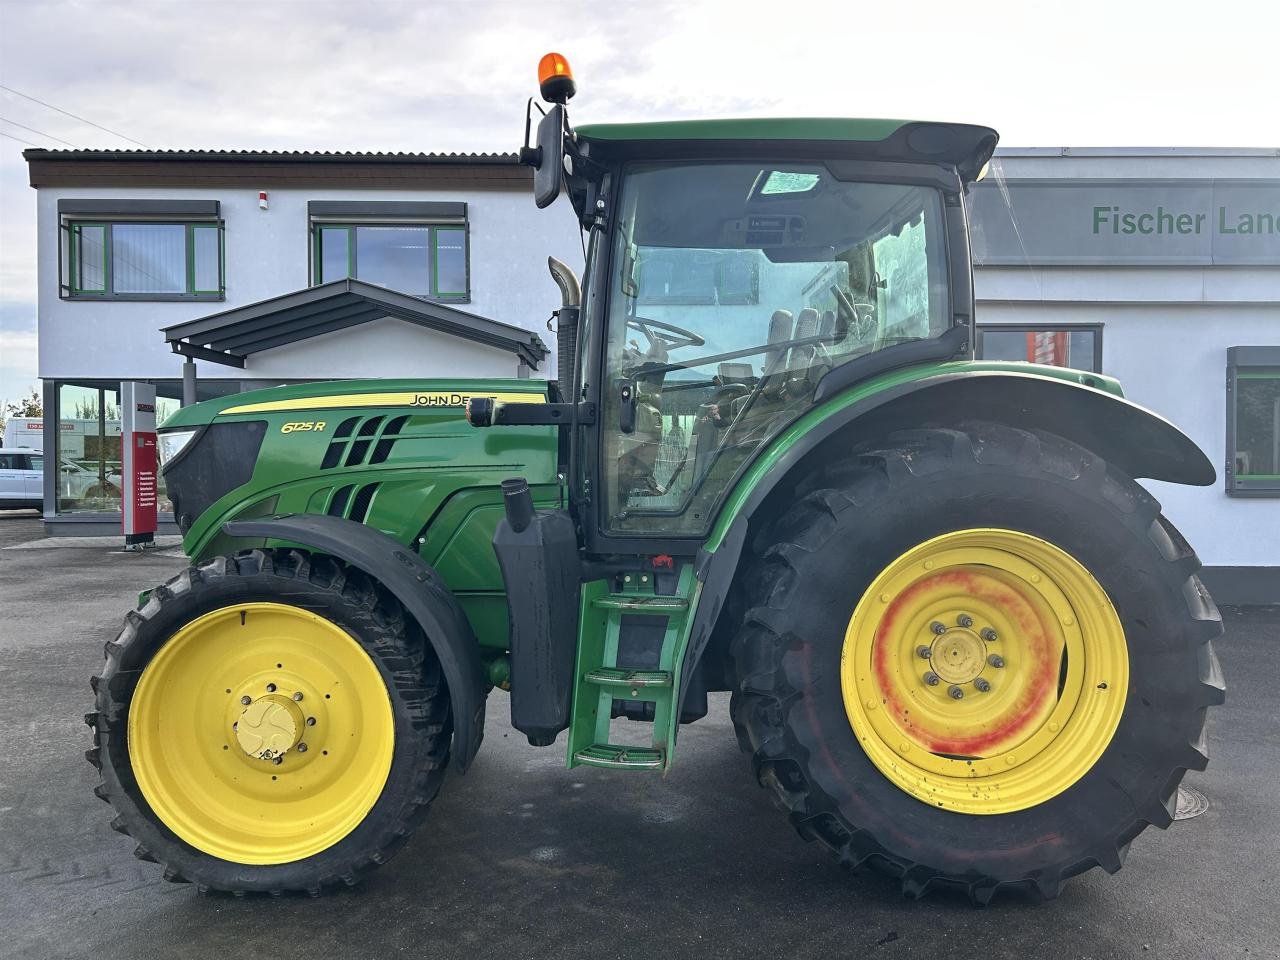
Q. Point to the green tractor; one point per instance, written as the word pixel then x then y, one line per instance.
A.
pixel 963 644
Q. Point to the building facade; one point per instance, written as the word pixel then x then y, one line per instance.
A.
pixel 1160 267
pixel 134 243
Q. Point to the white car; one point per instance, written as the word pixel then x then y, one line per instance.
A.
pixel 21 478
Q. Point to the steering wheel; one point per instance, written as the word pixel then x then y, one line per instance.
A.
pixel 671 337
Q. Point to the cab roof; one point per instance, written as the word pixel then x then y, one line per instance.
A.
pixel 964 146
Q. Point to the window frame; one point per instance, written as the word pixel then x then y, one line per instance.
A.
pixel 71 227
pixel 1097 329
pixel 434 226
pixel 1247 363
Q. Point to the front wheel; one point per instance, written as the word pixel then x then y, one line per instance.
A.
pixel 269 722
pixel 982 660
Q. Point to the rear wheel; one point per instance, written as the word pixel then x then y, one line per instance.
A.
pixel 982 659
pixel 269 722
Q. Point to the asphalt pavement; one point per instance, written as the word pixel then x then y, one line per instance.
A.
pixel 523 858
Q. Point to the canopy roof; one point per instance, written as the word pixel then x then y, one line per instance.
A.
pixel 232 335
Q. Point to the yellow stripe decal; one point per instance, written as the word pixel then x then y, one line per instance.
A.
pixel 426 399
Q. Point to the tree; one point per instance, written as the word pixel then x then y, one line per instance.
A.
pixel 87 409
pixel 28 406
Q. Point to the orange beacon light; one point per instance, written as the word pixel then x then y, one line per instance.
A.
pixel 555 79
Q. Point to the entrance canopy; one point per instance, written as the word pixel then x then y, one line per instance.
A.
pixel 232 335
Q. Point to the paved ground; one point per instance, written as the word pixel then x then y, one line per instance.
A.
pixel 522 858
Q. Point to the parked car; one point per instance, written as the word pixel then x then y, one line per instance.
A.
pixel 21 478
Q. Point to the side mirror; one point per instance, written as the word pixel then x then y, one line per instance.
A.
pixel 548 173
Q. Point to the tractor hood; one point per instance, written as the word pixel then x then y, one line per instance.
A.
pixel 965 147
pixel 383 452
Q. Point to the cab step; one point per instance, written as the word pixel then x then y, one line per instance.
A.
pixel 618 677
pixel 646 682
pixel 641 603
pixel 620 758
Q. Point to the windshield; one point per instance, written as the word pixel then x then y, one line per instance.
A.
pixel 735 287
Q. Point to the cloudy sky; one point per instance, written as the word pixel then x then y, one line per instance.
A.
pixel 433 75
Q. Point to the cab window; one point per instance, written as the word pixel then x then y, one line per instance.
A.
pixel 734 289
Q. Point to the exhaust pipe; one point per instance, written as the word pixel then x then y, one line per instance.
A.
pixel 566 325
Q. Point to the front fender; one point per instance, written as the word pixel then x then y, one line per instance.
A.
pixel 419 588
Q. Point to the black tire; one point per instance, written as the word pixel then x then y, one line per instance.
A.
pixel 346 597
pixel 850 521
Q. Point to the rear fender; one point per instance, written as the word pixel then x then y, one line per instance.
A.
pixel 1134 439
pixel 419 588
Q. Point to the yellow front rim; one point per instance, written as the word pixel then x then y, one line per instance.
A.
pixel 261 733
pixel 984 671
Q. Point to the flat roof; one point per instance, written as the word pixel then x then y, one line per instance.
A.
pixel 267 168
pixel 268 156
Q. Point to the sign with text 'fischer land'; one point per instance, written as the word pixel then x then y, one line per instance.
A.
pixel 1151 222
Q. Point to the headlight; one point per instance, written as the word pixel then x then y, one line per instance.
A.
pixel 172 443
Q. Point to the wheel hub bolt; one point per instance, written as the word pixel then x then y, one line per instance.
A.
pixel 924 652
pixel 989 635
pixel 937 628
pixel 996 660
pixel 931 678
pixel 271 688
pixel 955 693
pixel 302 748
pixel 965 620
pixel 297 696
pixel 246 700
pixel 277 760
pixel 311 721
pixel 982 685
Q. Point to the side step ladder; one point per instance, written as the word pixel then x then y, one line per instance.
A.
pixel 599 680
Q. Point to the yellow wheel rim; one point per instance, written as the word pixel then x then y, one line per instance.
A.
pixel 984 671
pixel 261 733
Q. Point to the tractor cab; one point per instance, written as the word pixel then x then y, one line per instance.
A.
pixel 738 273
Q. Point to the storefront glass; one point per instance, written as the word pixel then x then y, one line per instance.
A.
pixel 88 449
pixel 88 457
pixel 1078 347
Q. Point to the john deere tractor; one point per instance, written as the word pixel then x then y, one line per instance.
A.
pixel 963 645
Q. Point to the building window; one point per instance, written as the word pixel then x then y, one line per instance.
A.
pixel 134 260
pixel 425 260
pixel 1078 346
pixel 1253 421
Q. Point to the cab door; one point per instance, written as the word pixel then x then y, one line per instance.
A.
pixel 734 288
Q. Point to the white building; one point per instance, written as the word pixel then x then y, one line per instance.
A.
pixel 136 243
pixel 1160 267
